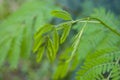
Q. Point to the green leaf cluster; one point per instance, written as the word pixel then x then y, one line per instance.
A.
pixel 94 48
pixel 16 31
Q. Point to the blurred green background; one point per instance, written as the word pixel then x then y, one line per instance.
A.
pixel 29 69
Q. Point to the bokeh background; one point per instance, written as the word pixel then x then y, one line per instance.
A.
pixel 29 69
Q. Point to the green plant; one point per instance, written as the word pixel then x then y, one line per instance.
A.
pixel 100 42
pixel 19 28
pixel 94 48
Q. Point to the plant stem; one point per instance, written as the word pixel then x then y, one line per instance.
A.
pixel 105 25
pixel 92 20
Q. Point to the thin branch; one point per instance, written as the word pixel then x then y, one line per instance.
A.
pixel 93 20
pixel 107 26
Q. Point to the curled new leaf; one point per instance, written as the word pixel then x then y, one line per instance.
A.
pixel 61 14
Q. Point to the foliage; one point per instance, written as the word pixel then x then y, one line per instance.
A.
pixel 19 43
pixel 97 39
pixel 94 48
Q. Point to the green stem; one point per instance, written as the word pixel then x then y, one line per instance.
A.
pixel 97 21
pixel 107 26
pixel 92 20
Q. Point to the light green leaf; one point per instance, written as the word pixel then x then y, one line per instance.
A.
pixel 4 50
pixel 15 50
pixel 38 43
pixel 26 44
pixel 56 40
pixel 39 36
pixel 51 50
pixel 40 54
pixel 66 31
pixel 44 29
pixel 61 14
pixel 61 71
